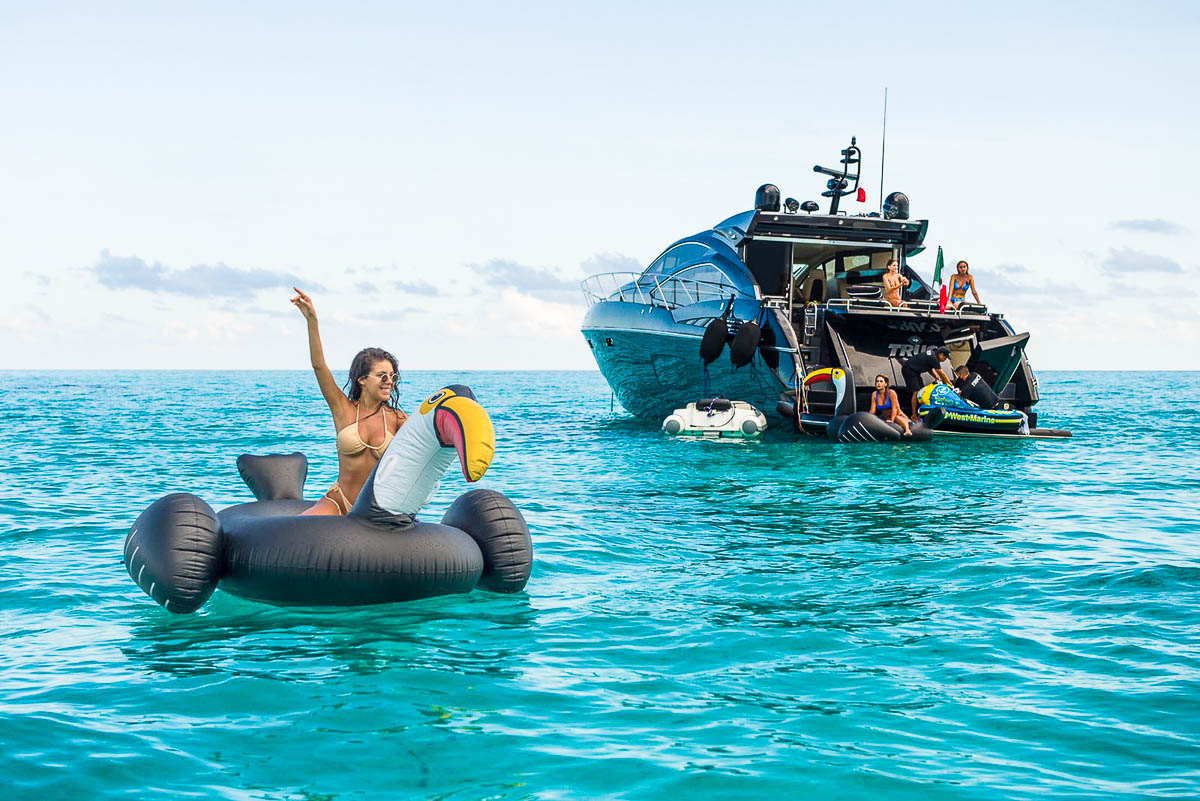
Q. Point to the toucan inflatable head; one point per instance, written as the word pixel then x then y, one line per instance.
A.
pixel 461 423
pixel 449 423
pixel 843 400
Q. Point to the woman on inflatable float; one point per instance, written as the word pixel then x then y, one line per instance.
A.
pixel 361 543
pixel 179 549
pixel 368 412
pixel 848 425
pixel 885 404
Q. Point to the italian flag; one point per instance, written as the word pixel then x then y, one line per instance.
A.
pixel 938 286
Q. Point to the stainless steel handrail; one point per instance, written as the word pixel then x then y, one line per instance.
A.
pixel 612 286
pixel 927 306
pixel 665 293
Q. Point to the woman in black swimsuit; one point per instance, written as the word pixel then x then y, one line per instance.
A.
pixel 885 403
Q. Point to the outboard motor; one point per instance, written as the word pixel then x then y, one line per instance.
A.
pixel 895 206
pixel 767 198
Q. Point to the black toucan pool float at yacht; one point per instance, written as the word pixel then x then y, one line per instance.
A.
pixel 845 424
pixel 179 549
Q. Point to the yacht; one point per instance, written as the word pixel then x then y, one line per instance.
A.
pixel 750 307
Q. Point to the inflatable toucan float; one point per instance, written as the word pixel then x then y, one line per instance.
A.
pixel 844 424
pixel 179 550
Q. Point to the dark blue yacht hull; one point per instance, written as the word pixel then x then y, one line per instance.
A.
pixel 652 362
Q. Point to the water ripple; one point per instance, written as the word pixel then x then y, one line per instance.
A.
pixel 973 619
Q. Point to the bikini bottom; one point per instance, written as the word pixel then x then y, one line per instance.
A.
pixel 339 499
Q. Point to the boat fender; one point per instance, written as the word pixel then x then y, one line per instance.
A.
pixel 502 535
pixel 766 346
pixel 174 552
pixel 713 341
pixel 745 342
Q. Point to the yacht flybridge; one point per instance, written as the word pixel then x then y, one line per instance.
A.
pixel 791 291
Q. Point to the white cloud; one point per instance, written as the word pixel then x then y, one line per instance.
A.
pixel 611 263
pixel 1148 226
pixel 1127 260
pixel 533 281
pixel 199 280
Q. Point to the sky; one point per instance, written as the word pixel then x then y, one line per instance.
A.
pixel 440 179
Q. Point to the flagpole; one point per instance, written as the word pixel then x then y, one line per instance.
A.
pixel 883 150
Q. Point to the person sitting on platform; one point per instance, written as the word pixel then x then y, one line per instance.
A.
pixel 911 370
pixel 960 283
pixel 892 283
pixel 973 388
pixel 885 403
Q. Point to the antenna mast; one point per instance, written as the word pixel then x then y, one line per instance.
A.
pixel 883 150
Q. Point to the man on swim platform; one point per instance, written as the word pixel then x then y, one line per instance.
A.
pixel 911 370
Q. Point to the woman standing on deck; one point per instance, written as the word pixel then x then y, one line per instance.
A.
pixel 892 282
pixel 960 283
pixel 367 413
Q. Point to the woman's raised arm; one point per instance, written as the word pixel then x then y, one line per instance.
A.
pixel 329 388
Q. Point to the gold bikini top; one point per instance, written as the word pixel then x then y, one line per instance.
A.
pixel 350 442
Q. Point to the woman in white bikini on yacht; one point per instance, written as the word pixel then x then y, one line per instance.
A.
pixel 367 413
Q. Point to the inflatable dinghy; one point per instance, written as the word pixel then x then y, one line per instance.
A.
pixel 942 409
pixel 713 418
pixel 179 550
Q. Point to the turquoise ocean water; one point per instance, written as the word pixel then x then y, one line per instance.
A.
pixel 966 619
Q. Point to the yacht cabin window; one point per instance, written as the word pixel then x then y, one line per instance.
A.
pixel 700 283
pixel 676 257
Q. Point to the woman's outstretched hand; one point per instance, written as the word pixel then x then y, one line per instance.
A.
pixel 304 303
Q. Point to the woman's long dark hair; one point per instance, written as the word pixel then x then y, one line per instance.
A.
pixel 361 368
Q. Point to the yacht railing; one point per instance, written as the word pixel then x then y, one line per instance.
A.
pixel 614 287
pixel 925 306
pixel 665 292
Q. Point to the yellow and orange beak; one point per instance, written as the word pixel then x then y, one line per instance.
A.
pixel 461 423
pixel 824 374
